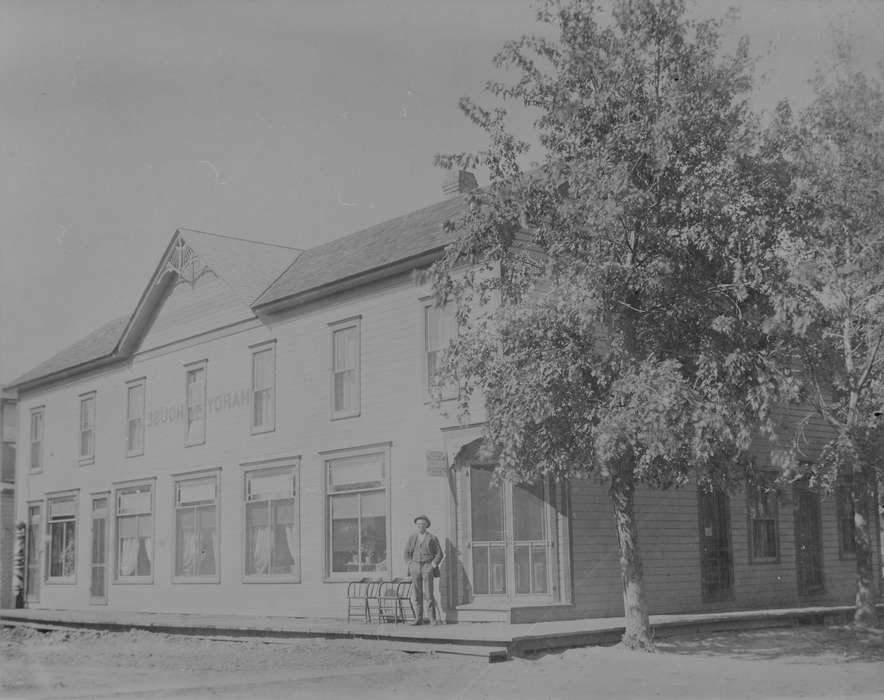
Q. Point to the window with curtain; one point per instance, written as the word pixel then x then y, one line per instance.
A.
pixel 196 527
pixel 357 512
pixel 134 515
pixel 135 418
pixel 263 389
pixel 345 370
pixel 271 515
pixel 761 500
pixel 196 405
pixel 62 526
pixel 87 427
pixel 440 328
pixel 37 438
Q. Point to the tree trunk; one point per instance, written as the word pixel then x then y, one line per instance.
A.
pixel 638 627
pixel 863 489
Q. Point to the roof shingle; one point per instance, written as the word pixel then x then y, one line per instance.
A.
pixel 98 344
pixel 419 232
pixel 262 273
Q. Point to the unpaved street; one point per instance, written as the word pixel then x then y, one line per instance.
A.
pixel 799 662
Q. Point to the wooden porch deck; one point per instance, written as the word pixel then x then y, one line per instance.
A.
pixel 495 640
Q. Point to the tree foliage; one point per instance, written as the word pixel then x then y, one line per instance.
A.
pixel 829 293
pixel 625 340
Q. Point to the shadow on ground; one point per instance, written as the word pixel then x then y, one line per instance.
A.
pixel 798 644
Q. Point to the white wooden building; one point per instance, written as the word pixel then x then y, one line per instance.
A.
pixel 258 432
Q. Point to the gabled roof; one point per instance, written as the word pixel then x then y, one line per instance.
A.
pixel 95 346
pixel 248 267
pixel 375 247
pixel 263 275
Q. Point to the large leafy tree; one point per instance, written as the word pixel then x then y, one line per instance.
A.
pixel 830 292
pixel 623 341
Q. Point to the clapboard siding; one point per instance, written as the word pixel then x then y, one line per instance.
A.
pixel 394 414
pixel 190 310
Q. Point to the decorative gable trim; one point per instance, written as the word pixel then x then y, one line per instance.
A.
pixel 185 262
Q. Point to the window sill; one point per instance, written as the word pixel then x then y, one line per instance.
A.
pixel 272 578
pixel 342 415
pixel 186 580
pixel 130 580
pixel 429 400
pixel 256 430
pixel 86 461
pixel 35 470
pixel 134 454
pixel 764 561
pixel 349 577
pixel 58 581
pixel 195 443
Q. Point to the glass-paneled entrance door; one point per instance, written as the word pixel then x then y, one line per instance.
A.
pixel 512 541
pixel 98 580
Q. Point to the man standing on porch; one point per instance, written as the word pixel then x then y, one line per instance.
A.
pixel 422 555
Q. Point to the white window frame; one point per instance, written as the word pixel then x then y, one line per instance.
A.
pixel 205 475
pixel 37 433
pixel 328 458
pixel 269 426
pixel 281 466
pixel 353 323
pixel 52 498
pixel 132 385
pixel 86 399
pixel 189 369
pixel 429 305
pixel 120 489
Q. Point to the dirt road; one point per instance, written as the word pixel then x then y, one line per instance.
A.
pixel 799 662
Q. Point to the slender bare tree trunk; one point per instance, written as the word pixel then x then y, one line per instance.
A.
pixel 638 627
pixel 862 490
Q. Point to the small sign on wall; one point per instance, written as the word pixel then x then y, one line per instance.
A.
pixel 437 463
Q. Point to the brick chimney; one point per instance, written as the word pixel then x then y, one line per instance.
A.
pixel 458 182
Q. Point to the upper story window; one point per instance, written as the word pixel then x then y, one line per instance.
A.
pixel 86 451
pixel 440 328
pixel 761 500
pixel 196 404
pixel 264 388
pixel 62 534
pixel 345 364
pixel 134 530
pixel 196 528
pixel 37 417
pixel 271 513
pixel 135 417
pixel 846 514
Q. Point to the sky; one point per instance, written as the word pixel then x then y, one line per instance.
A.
pixel 290 121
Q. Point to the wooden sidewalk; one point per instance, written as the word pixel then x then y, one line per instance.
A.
pixel 496 641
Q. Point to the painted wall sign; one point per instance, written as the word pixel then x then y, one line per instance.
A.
pixel 437 463
pixel 214 404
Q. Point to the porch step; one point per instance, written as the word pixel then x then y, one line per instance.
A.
pixel 482 615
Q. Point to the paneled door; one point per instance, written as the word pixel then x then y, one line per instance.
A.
pixel 716 560
pixel 808 541
pixel 98 580
pixel 32 554
pixel 512 543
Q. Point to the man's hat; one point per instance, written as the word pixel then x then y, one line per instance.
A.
pixel 423 517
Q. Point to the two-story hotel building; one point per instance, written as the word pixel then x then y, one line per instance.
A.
pixel 258 432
